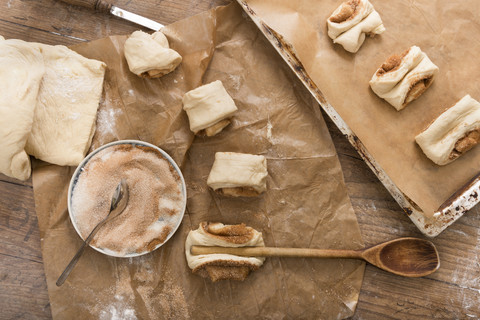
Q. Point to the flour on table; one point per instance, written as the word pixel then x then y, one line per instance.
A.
pixel 106 120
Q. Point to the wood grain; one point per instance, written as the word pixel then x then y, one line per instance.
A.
pixel 450 293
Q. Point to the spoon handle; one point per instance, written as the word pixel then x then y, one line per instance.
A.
pixel 79 253
pixel 72 264
pixel 278 252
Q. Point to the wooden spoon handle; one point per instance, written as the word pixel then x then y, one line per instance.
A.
pixel 97 5
pixel 278 252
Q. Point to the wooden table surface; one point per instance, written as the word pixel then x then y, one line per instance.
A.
pixel 453 292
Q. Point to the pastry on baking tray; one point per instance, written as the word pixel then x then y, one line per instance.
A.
pixel 149 55
pixel 351 22
pixel 403 78
pixel 238 174
pixel 223 266
pixel 453 133
pixel 209 108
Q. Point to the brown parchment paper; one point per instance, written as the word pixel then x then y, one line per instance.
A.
pixel 447 31
pixel 306 204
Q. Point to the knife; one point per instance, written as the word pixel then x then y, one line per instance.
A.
pixel 103 6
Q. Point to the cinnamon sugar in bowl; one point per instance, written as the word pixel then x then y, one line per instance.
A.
pixel 156 205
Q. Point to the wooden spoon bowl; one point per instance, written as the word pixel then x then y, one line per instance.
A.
pixel 409 257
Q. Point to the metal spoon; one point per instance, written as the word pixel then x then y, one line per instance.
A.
pixel 408 257
pixel 117 205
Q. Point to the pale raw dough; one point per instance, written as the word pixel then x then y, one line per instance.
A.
pixel 383 82
pixel 218 234
pixel 208 105
pixel 359 19
pixel 21 71
pixel 150 55
pixel 439 140
pixel 67 104
pixel 417 72
pixel 238 170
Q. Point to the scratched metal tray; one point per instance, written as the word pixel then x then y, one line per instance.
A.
pixel 452 209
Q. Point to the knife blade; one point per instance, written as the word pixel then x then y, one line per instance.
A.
pixel 135 18
pixel 103 6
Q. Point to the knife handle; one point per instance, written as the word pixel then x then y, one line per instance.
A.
pixel 97 5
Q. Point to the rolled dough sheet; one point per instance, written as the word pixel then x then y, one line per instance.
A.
pixel 21 70
pixel 66 109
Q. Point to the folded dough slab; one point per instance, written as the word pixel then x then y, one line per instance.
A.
pixel 238 174
pixel 149 55
pixel 403 78
pixel 21 71
pixel 209 108
pixel 453 133
pixel 223 266
pixel 66 108
pixel 351 21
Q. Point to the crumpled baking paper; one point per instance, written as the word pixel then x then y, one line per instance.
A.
pixel 306 204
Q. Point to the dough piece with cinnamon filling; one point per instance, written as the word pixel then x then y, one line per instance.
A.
pixel 238 174
pixel 351 22
pixel 149 55
pixel 394 69
pixel 453 133
pixel 403 78
pixel 209 108
pixel 223 266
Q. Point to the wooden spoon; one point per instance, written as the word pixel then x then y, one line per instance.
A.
pixel 408 257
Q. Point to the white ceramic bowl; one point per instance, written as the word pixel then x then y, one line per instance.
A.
pixel 78 172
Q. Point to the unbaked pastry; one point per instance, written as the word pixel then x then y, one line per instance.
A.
pixel 66 109
pixel 209 108
pixel 149 55
pixel 223 266
pixel 403 78
pixel 453 133
pixel 351 21
pixel 238 174
pixel 21 71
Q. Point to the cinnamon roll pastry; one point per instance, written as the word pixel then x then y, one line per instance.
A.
pixel 223 266
pixel 403 78
pixel 453 133
pixel 149 55
pixel 351 22
pixel 209 108
pixel 238 174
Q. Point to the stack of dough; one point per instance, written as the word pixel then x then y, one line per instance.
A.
pixel 48 103
pixel 403 78
pixel 223 266
pixel 350 22
pixel 453 133
pixel 150 56
pixel 209 108
pixel 21 71
pixel 66 109
pixel 238 174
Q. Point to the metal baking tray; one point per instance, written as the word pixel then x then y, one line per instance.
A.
pixel 452 209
